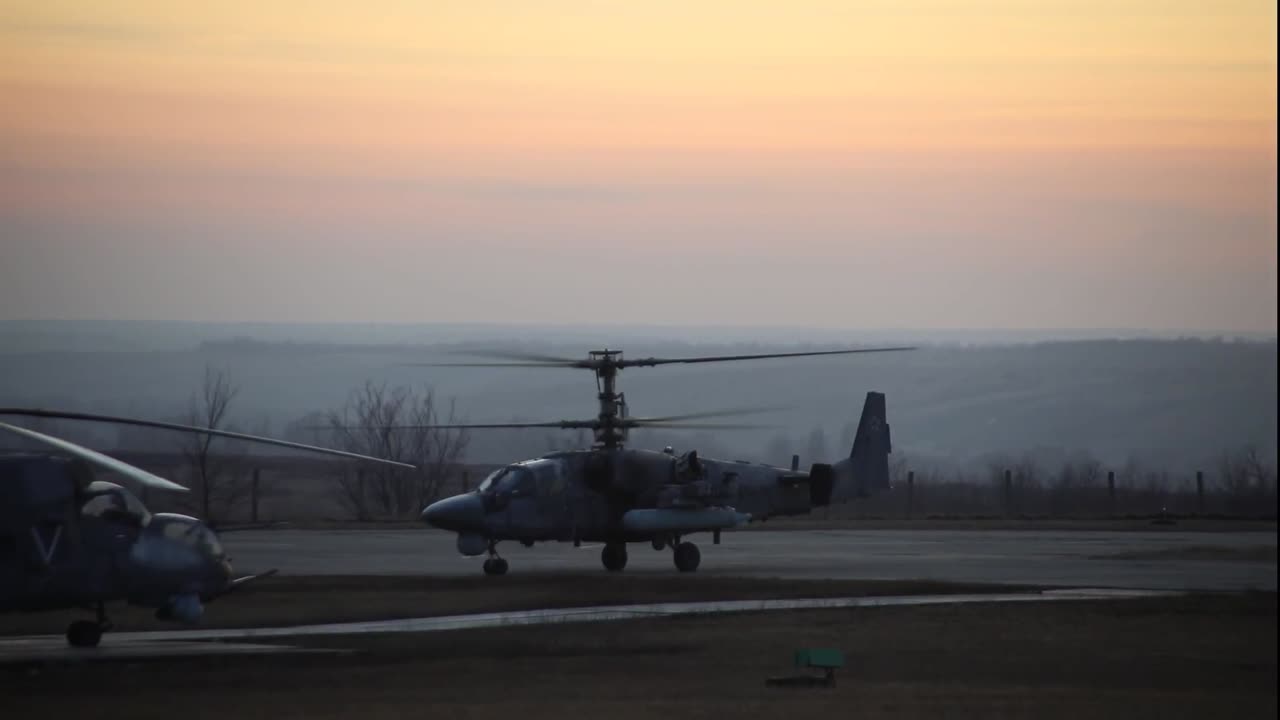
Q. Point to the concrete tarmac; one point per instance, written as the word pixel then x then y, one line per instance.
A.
pixel 1157 560
pixel 198 642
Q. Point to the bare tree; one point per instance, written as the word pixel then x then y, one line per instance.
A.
pixel 847 433
pixel 817 447
pixel 395 424
pixel 1248 483
pixel 1077 487
pixel 217 465
pixel 899 466
pixel 257 486
pixel 778 451
pixel 576 440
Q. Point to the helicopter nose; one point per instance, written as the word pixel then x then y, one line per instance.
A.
pixel 459 513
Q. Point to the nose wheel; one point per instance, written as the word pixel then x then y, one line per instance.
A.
pixel 88 633
pixel 84 633
pixel 495 565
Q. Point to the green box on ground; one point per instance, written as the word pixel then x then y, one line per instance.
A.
pixel 819 658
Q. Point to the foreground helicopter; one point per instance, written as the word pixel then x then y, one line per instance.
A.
pixel 70 541
pixel 617 495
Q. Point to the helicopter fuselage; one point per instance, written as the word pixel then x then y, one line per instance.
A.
pixel 620 495
pixel 67 541
pixel 623 496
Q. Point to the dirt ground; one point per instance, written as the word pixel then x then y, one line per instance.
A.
pixel 1208 553
pixel 1187 657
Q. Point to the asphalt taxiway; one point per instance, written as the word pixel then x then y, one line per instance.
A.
pixel 159 644
pixel 1100 564
pixel 1162 559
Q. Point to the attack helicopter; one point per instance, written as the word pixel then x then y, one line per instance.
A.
pixel 70 541
pixel 615 495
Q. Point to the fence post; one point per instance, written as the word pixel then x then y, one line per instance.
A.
pixel 1200 492
pixel 911 491
pixel 1111 491
pixel 1008 492
pixel 253 495
pixel 795 463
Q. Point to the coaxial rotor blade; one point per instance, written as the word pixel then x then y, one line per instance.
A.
pixel 560 424
pixel 727 412
pixel 509 359
pixel 494 364
pixel 96 458
pixel 649 362
pixel 91 417
pixel 596 363
pixel 520 356
pixel 692 426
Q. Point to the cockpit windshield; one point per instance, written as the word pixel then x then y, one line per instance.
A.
pixel 114 503
pixel 541 477
pixel 488 483
pixel 507 479
pixel 517 480
pixel 189 531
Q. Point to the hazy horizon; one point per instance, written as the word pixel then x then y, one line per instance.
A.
pixel 1166 403
pixel 36 335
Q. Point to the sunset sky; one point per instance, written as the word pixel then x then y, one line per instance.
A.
pixel 868 164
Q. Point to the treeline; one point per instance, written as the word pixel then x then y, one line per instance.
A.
pixel 233 481
pixel 1240 484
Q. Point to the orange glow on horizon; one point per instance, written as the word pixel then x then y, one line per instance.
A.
pixel 1060 134
pixel 1040 74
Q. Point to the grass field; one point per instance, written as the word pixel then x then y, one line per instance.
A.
pixel 1186 657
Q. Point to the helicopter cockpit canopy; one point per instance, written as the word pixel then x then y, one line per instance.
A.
pixel 188 531
pixel 113 503
pixel 533 477
pixel 509 480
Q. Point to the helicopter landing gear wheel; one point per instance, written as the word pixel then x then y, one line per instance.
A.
pixel 84 633
pixel 494 565
pixel 687 557
pixel 614 557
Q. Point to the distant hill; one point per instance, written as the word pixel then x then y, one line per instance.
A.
pixel 1170 402
pixel 22 336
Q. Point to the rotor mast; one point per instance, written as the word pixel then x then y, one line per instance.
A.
pixel 609 434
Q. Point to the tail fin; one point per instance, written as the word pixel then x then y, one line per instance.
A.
pixel 866 470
